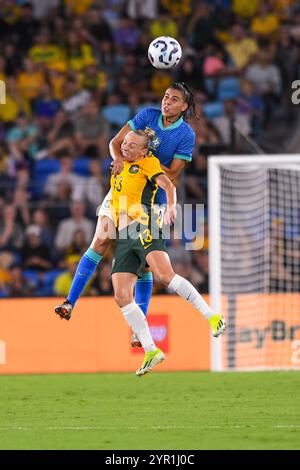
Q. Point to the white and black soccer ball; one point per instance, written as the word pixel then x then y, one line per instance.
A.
pixel 164 52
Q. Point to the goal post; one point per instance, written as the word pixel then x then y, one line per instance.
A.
pixel 254 260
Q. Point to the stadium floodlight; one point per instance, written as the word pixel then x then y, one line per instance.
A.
pixel 254 260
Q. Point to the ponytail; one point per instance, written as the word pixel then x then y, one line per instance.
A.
pixel 148 135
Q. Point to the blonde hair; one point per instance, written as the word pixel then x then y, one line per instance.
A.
pixel 148 134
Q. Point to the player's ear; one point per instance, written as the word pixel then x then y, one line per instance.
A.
pixel 184 107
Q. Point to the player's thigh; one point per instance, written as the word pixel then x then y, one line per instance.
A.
pixel 105 228
pixel 160 264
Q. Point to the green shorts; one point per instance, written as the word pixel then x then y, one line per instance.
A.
pixel 131 252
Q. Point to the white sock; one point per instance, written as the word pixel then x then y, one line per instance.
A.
pixel 188 292
pixel 139 325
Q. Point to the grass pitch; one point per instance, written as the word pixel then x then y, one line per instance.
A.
pixel 184 410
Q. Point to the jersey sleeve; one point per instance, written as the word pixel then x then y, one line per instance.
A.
pixel 185 148
pixel 140 120
pixel 152 168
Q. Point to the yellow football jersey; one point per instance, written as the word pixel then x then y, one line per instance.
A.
pixel 134 188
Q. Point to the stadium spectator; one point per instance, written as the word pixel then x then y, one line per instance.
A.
pixel 7 172
pixel 287 58
pixel 60 138
pixel 241 47
pixel 266 22
pixel 19 285
pixel 102 284
pixel 201 264
pixel 15 105
pixel 63 281
pixel 190 72
pixel 201 28
pixel 94 187
pixel 43 7
pixel 177 251
pixel 58 207
pixel 214 63
pixel 68 227
pixel 35 254
pixel 177 8
pixel 46 105
pixel 12 57
pixel 163 26
pixel 65 175
pixel 2 69
pixel 74 7
pixel 11 233
pixel 97 26
pixel 94 80
pixel 78 244
pixel 78 54
pixel 30 80
pixel 45 52
pixel 6 261
pixel 40 219
pixel 22 139
pixel 91 130
pixel 75 98
pixel 245 9
pixel 160 81
pixel 251 104
pixel 126 36
pixel 232 126
pixel 142 9
pixel 26 27
pixel 265 76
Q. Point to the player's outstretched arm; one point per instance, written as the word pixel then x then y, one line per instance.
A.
pixel 165 183
pixel 174 170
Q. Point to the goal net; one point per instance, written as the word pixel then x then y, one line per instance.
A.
pixel 254 233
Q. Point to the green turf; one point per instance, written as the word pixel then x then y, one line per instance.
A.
pixel 184 410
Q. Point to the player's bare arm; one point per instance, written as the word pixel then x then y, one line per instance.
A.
pixel 165 183
pixel 174 170
pixel 115 149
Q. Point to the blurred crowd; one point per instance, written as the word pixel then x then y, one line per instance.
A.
pixel 76 71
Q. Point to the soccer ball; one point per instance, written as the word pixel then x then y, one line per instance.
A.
pixel 164 52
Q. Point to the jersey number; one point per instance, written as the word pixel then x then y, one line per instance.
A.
pixel 118 183
pixel 146 237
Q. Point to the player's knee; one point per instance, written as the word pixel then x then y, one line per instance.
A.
pixel 123 297
pixel 164 278
pixel 100 245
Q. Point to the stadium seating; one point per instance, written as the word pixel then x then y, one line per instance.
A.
pixel 82 166
pixel 213 110
pixel 46 167
pixel 228 88
pixel 140 107
pixel 117 114
pixel 42 169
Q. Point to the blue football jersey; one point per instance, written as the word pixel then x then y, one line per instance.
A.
pixel 175 141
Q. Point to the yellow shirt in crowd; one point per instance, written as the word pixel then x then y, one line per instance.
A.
pixel 163 28
pixel 79 8
pixel 265 25
pixel 48 55
pixel 242 51
pixel 177 8
pixel 245 8
pixel 30 84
